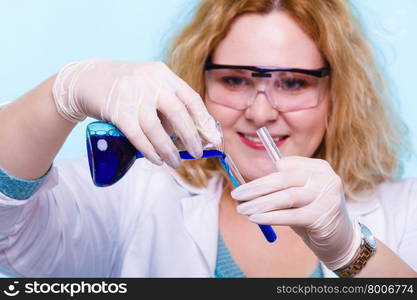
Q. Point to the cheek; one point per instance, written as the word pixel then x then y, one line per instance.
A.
pixel 308 128
pixel 226 116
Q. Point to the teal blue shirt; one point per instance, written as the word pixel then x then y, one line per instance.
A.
pixel 19 189
pixel 226 267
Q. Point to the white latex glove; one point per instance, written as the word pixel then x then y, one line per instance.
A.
pixel 131 95
pixel 307 195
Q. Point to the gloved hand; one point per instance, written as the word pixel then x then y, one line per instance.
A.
pixel 307 195
pixel 131 95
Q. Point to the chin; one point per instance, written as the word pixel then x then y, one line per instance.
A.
pixel 256 169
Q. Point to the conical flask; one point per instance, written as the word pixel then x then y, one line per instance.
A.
pixel 111 155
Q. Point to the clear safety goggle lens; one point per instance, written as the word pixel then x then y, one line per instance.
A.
pixel 286 91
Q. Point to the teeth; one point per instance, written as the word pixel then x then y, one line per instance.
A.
pixel 252 138
pixel 256 139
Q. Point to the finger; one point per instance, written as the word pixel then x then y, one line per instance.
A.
pixel 270 183
pixel 204 122
pixel 121 107
pixel 131 129
pixel 152 128
pixel 285 199
pixel 177 115
pixel 288 217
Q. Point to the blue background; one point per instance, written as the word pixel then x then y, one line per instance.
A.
pixel 38 37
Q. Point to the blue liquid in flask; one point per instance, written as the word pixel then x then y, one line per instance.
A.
pixel 111 155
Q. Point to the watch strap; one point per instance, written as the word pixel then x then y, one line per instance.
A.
pixel 360 259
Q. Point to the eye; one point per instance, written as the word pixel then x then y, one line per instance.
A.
pixel 234 81
pixel 293 84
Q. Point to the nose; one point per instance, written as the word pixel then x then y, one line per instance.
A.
pixel 261 112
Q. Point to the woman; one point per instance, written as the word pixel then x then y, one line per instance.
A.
pixel 325 114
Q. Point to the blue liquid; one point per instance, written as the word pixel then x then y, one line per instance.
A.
pixel 185 155
pixel 227 169
pixel 111 155
pixel 109 166
pixel 267 230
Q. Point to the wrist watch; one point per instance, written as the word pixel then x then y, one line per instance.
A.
pixel 366 249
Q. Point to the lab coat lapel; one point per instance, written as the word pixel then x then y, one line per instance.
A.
pixel 201 215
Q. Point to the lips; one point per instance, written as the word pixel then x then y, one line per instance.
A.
pixel 254 142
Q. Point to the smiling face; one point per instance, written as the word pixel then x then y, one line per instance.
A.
pixel 272 40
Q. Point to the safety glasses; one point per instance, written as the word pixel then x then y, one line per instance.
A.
pixel 287 89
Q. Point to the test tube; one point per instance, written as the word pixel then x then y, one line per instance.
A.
pixel 269 144
pixel 271 149
pixel 237 179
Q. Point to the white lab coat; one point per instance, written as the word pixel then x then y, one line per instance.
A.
pixel 151 224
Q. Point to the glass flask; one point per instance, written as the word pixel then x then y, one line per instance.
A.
pixel 111 155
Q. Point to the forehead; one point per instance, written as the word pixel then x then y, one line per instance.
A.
pixel 273 39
